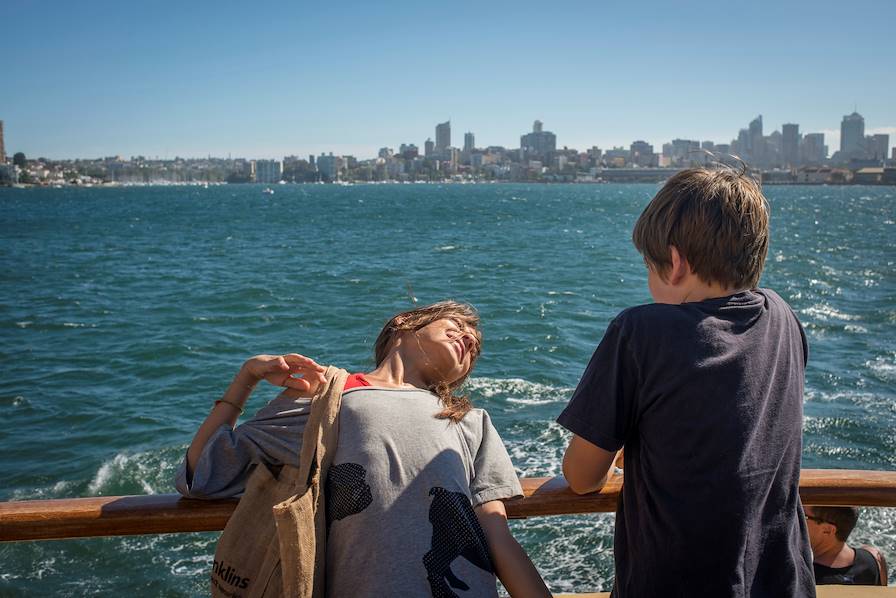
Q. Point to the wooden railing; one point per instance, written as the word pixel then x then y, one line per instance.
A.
pixel 169 513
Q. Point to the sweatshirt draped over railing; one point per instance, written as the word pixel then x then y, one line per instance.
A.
pixel 170 513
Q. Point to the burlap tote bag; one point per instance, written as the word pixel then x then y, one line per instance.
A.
pixel 275 542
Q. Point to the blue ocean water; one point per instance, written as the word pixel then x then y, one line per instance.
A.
pixel 125 312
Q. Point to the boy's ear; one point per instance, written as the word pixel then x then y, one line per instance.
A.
pixel 679 268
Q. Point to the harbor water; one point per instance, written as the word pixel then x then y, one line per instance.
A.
pixel 126 311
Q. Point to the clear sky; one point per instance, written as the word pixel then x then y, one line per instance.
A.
pixel 266 79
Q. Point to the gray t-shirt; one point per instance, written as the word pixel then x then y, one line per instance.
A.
pixel 400 492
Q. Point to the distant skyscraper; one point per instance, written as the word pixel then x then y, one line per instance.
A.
pixel 538 144
pixel 428 148
pixel 813 149
pixel 469 142
pixel 684 151
pixel 790 144
pixel 443 136
pixel 756 141
pixel 328 166
pixel 877 146
pixel 2 148
pixel 268 171
pixel 642 154
pixel 741 146
pixel 852 133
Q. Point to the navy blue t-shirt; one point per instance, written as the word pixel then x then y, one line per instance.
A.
pixel 707 399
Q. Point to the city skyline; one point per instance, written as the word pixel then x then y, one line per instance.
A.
pixel 164 80
pixel 831 140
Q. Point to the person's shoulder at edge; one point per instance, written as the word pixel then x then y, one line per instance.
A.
pixel 631 319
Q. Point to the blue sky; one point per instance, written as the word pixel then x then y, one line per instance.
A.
pixel 86 79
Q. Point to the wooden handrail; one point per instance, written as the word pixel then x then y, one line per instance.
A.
pixel 169 513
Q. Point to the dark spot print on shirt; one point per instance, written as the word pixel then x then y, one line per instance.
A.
pixel 347 492
pixel 455 532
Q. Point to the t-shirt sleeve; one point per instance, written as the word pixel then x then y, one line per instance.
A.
pixel 494 477
pixel 273 436
pixel 603 407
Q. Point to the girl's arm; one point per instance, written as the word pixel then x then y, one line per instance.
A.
pixel 512 564
pixel 276 369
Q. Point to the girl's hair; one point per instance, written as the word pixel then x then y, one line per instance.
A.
pixel 455 406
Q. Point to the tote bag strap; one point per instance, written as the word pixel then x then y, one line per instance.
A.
pixel 321 432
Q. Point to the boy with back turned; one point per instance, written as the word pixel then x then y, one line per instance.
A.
pixel 704 390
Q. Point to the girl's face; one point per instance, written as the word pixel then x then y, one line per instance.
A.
pixel 447 349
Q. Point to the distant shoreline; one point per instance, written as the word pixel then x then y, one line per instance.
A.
pixel 774 183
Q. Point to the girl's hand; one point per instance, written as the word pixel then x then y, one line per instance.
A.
pixel 292 371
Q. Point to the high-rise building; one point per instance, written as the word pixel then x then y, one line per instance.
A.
pixel 469 142
pixel 2 147
pixel 852 133
pixel 684 152
pixel 877 146
pixel 812 149
pixel 268 171
pixel 756 142
pixel 790 144
pixel 642 154
pixel 329 166
pixel 443 136
pixel 428 148
pixel 538 144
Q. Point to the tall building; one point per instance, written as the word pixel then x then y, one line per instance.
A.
pixel 642 154
pixel 684 152
pixel 756 142
pixel 877 146
pixel 268 171
pixel 2 148
pixel 539 144
pixel 443 136
pixel 812 149
pixel 469 142
pixel 329 166
pixel 429 148
pixel 790 144
pixel 852 133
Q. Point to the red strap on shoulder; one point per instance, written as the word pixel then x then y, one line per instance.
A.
pixel 354 381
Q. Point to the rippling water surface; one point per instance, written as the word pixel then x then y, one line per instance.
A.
pixel 125 312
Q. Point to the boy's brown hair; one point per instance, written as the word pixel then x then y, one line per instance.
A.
pixel 842 518
pixel 466 317
pixel 716 218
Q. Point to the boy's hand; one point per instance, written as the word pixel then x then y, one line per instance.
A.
pixel 620 459
pixel 282 370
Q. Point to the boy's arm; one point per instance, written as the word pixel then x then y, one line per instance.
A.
pixel 512 564
pixel 586 465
